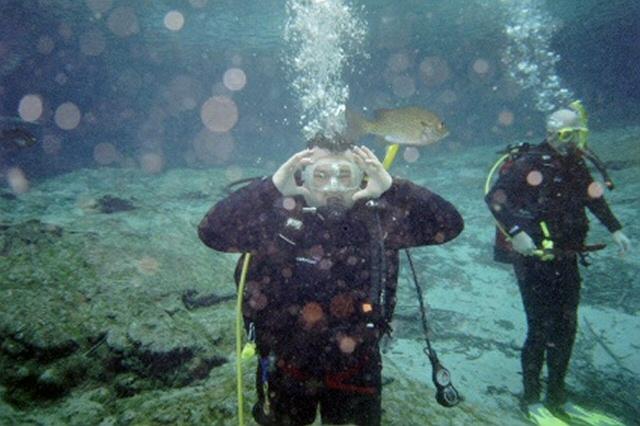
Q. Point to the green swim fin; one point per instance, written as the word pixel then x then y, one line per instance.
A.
pixel 590 417
pixel 539 415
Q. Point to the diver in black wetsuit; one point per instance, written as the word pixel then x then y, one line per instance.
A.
pixel 324 233
pixel 539 200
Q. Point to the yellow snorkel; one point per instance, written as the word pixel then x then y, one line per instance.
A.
pixel 390 155
pixel 583 134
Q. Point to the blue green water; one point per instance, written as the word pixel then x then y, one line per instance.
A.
pixel 155 99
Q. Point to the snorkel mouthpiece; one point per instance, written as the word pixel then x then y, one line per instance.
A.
pixel 334 211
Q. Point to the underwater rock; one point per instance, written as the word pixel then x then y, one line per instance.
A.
pixel 191 299
pixel 51 382
pixel 107 205
pixel 126 385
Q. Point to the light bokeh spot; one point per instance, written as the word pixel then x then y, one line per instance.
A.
pixel 289 203
pixel 123 22
pixel 346 344
pixel 30 107
pixel 213 148
pixel 481 66
pixel 174 20
pixel 219 114
pixel 534 178
pixel 411 154
pixel 311 314
pixel 500 196
pixel 434 71
pixel 105 153
pixel 505 118
pixel 152 162
pixel 67 116
pixel 595 190
pixel 234 79
pixel 17 180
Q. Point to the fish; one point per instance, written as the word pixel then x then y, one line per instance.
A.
pixel 404 126
pixel 16 133
pixel 17 138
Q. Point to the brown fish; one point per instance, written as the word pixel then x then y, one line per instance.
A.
pixel 404 126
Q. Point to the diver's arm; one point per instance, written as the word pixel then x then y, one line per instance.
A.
pixel 600 208
pixel 595 201
pixel 243 221
pixel 419 216
pixel 597 204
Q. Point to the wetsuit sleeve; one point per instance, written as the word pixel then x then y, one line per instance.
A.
pixel 246 220
pixel 597 204
pixel 418 216
pixel 508 199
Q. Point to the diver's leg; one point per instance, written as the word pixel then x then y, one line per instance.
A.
pixel 563 331
pixel 532 357
pixel 289 402
pixel 355 398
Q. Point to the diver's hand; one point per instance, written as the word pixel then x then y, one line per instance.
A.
pixel 622 241
pixel 284 178
pixel 523 244
pixel 378 179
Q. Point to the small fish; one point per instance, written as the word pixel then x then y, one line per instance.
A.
pixel 17 138
pixel 16 133
pixel 404 126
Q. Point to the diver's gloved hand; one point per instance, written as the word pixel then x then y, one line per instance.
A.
pixel 378 179
pixel 622 241
pixel 523 244
pixel 284 178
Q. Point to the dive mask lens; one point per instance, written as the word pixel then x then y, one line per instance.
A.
pixel 339 176
pixel 571 134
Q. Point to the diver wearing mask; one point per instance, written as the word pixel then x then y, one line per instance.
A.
pixel 324 234
pixel 331 178
pixel 539 201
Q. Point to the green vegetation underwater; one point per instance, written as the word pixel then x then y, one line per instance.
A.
pixel 123 122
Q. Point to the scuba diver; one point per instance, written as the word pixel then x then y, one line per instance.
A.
pixel 323 234
pixel 539 202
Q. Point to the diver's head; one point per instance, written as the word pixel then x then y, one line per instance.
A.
pixel 564 130
pixel 333 175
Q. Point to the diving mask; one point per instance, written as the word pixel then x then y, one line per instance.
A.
pixel 572 134
pixel 331 175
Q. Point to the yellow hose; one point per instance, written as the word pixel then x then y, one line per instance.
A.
pixel 239 327
pixel 487 187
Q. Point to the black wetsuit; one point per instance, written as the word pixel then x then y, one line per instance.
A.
pixel 310 284
pixel 543 186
